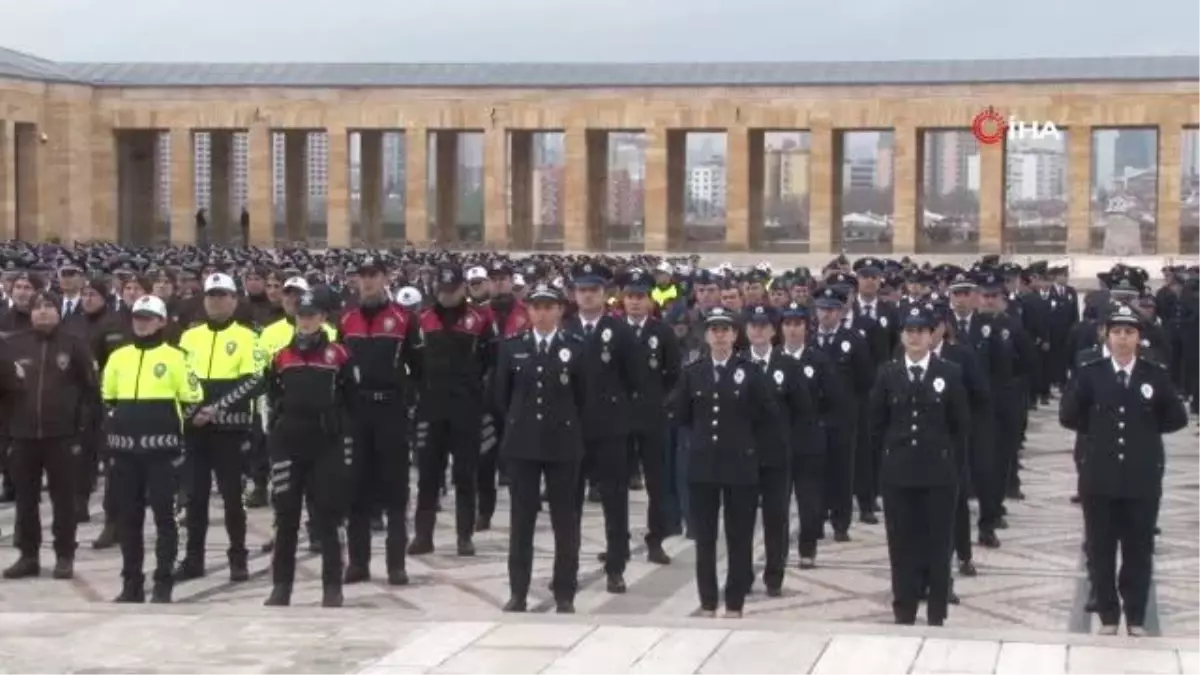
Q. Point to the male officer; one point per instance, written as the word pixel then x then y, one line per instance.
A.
pixel 383 340
pixel 726 408
pixel 920 420
pixel 614 380
pixel 1122 404
pixel 852 360
pixel 540 391
pixel 661 363
pixel 150 388
pixel 310 385
pixel 792 399
pixel 227 359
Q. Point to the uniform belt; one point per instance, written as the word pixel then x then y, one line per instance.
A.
pixel 148 442
pixel 380 395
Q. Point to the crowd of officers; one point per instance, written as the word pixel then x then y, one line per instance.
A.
pixel 873 386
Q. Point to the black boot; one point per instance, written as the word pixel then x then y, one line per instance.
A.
pixel 656 554
pixel 356 574
pixel 107 537
pixel 132 591
pixel 160 594
pixel 281 596
pixel 189 569
pixel 397 576
pixel 332 596
pixel 466 548
pixel 239 571
pixel 23 568
pixel 422 542
pixel 82 514
pixel 64 568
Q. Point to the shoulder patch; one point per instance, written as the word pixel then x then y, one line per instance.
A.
pixel 1094 361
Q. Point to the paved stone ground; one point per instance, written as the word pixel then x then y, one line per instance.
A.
pixel 1034 583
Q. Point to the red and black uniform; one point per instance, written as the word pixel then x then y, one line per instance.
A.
pixel 509 318
pixel 382 339
pixel 457 345
pixel 309 392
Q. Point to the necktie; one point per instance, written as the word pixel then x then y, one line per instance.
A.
pixel 587 329
pixel 962 327
pixel 1123 378
pixel 719 373
pixel 761 363
pixel 869 311
pixel 543 346
pixel 916 371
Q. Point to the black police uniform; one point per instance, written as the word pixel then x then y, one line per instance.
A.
pixel 383 340
pixel 920 420
pixel 1123 412
pixel 726 409
pixel 310 384
pixel 540 390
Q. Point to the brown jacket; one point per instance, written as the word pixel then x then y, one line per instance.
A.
pixel 48 384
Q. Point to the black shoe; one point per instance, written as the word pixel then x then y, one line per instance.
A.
pixel 1015 494
pixel 515 604
pixel 239 572
pixel 397 576
pixel 160 594
pixel 1001 523
pixel 656 554
pixel 774 591
pixel 356 574
pixel 483 523
pixel 952 598
pixel 593 494
pixel 64 568
pixel 466 548
pixel 107 537
pixel 988 539
pixel 188 570
pixel 967 568
pixel 616 584
pixel 24 568
pixel 332 597
pixel 420 545
pixel 841 536
pixel 636 483
pixel 868 517
pixel 269 546
pixel 1090 605
pixel 564 607
pixel 257 498
pixel 132 592
pixel 82 514
pixel 281 596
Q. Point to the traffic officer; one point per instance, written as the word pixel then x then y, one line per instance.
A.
pixel 383 340
pixel 310 385
pixel 920 420
pixel 614 376
pixel 458 350
pixel 661 362
pixel 227 359
pixel 794 402
pixel 829 396
pixel 726 408
pixel 48 381
pixel 540 390
pixel 149 388
pixel 1122 405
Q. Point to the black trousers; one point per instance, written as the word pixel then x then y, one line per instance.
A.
pixel 649 447
pixel 808 483
pixel 739 503
pixel 1009 409
pixel 89 466
pixel 257 463
pixel 866 462
pixel 774 498
pixel 444 438
pixel 919 521
pixel 839 475
pixel 221 454
pixel 562 482
pixel 59 458
pixel 607 461
pixel 1127 523
pixel 380 480
pixel 490 433
pixel 306 460
pixel 962 527
pixel 140 480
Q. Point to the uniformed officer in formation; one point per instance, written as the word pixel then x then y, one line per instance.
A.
pixel 920 421
pixel 1121 405
pixel 540 389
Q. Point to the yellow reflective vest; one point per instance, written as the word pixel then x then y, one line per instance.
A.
pixel 149 392
pixel 229 363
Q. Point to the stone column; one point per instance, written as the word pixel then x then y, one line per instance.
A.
pixel 676 188
pixel 337 194
pixel 597 188
pixel 183 188
pixel 106 185
pixel 521 175
pixel 220 176
pixel 822 170
pixel 737 190
pixel 906 203
pixel 575 228
pixel 295 152
pixel 991 197
pixel 370 180
pixel 1079 188
pixel 756 170
pixel 495 188
pixel 28 206
pixel 1170 177
pixel 655 191
pixel 8 181
pixel 416 185
pixel 139 205
pixel 446 196
pixel 260 190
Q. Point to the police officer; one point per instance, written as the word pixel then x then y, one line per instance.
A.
pixel 920 420
pixel 540 391
pixel 149 388
pixel 727 409
pixel 1122 405
pixel 227 359
pixel 792 398
pixel 383 340
pixel 614 374
pixel 310 384
pixel 49 383
pixel 661 363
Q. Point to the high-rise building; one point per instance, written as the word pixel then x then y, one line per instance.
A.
pixel 706 188
pixel 884 161
pixel 787 171
pixel 947 161
pixel 548 184
pixel 1036 175
pixel 859 173
pixel 625 198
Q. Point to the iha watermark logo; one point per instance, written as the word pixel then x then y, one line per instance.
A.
pixel 990 128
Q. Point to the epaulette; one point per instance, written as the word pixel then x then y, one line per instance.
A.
pixel 1094 360
pixel 574 337
pixel 1152 362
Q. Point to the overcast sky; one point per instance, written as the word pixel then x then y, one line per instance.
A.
pixel 589 30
